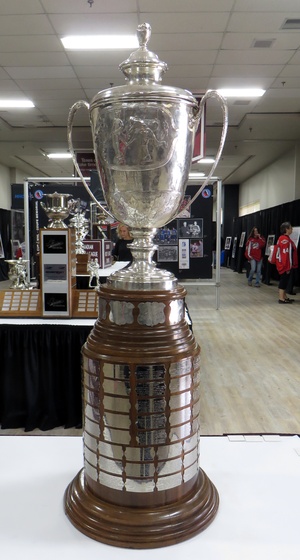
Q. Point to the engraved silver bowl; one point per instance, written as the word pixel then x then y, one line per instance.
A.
pixel 143 136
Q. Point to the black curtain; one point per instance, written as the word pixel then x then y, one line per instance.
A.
pixel 40 376
pixel 268 222
pixel 5 227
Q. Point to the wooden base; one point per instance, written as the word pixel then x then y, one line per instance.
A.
pixel 139 527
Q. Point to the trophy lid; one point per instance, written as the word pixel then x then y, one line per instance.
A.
pixel 143 65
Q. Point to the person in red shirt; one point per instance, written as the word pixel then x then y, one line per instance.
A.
pixel 286 259
pixel 254 245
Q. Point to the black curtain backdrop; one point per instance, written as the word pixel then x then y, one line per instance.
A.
pixel 40 376
pixel 5 230
pixel 268 222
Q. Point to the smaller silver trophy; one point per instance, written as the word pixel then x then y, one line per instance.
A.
pixel 57 209
pixel 81 226
pixel 17 274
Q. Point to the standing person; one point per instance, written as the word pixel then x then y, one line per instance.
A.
pixel 254 245
pixel 121 252
pixel 286 259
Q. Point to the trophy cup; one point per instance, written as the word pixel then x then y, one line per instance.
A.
pixel 142 485
pixel 57 209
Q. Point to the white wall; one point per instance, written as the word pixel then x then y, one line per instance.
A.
pixel 5 190
pixel 273 185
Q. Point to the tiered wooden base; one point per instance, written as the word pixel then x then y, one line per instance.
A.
pixel 141 486
pixel 138 527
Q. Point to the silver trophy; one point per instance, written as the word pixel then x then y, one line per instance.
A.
pixel 57 209
pixel 17 274
pixel 81 226
pixel 143 135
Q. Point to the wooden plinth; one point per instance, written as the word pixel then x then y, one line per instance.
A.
pixel 141 527
pixel 141 486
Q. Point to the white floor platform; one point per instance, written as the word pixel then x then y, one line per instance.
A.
pixel 258 480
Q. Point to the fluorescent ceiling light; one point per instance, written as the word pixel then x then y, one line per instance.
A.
pixel 97 42
pixel 15 103
pixel 59 156
pixel 196 175
pixel 206 160
pixel 241 92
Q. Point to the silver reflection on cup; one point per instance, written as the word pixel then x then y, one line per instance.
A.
pixel 143 136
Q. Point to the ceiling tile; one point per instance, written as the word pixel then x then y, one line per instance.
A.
pixel 173 6
pixel 7 85
pixel 84 24
pixel 40 72
pixel 72 94
pixel 287 83
pixel 255 56
pixel 24 25
pixel 35 59
pixel 187 57
pixel 283 41
pixel 189 70
pixel 97 58
pixel 29 43
pixel 15 7
pixel 187 41
pixel 266 22
pixel 109 72
pixel 48 84
pixel 233 71
pixel 290 71
pixel 80 7
pixel 193 22
pixel 267 6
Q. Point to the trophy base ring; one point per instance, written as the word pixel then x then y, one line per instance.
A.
pixel 138 527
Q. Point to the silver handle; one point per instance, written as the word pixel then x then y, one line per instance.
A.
pixel 71 116
pixel 198 115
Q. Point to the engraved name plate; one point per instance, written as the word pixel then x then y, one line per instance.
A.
pixel 118 388
pixel 114 404
pixel 180 401
pixel 151 313
pixel 150 373
pixel 139 453
pixel 168 482
pixel 151 422
pixel 110 450
pixel 121 312
pixel 140 470
pixel 178 384
pixel 116 420
pixel 180 368
pixel 150 405
pixel 177 311
pixel 116 371
pixel 150 389
pixel 151 438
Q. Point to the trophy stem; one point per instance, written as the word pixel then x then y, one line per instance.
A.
pixel 143 274
pixel 143 249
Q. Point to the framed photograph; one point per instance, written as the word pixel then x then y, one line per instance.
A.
pixel 167 235
pixel 182 212
pixel 196 248
pixel 2 255
pixel 295 235
pixel 242 239
pixel 167 254
pixel 234 247
pixel 191 228
pixel 270 241
pixel 228 243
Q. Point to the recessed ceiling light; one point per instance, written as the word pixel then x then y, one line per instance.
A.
pixel 15 103
pixel 241 92
pixel 59 156
pixel 98 42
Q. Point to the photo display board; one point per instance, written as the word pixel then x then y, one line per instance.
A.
pixel 185 244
